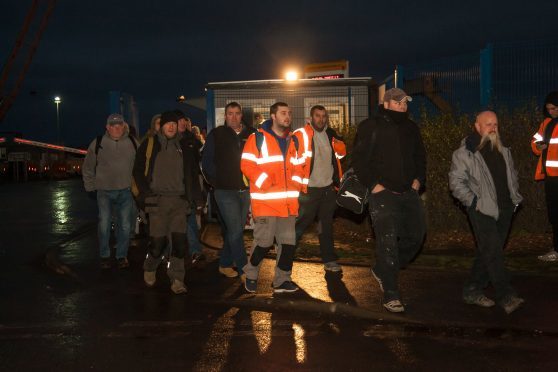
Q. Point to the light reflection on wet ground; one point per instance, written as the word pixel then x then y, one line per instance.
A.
pixel 38 214
pixel 216 350
pixel 60 205
pixel 261 324
pixel 300 343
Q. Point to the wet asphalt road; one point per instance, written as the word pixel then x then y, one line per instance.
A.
pixel 109 321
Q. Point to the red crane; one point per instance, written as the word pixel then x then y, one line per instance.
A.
pixel 20 59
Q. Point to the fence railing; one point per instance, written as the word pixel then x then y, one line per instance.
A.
pixel 501 74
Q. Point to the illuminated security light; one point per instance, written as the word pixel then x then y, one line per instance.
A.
pixel 181 99
pixel 57 99
pixel 291 75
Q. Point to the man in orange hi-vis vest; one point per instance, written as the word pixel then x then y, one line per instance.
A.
pixel 545 146
pixel 271 163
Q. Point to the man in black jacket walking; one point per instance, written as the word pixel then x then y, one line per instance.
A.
pixel 221 167
pixel 389 158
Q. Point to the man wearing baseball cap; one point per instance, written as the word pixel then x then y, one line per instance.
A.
pixel 107 176
pixel 389 158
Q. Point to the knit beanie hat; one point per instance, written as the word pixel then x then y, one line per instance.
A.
pixel 552 98
pixel 167 117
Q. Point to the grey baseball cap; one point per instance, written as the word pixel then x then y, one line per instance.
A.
pixel 114 119
pixel 396 94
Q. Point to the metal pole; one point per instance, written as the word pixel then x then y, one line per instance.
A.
pixel 57 123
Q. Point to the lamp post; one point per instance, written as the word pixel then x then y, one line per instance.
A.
pixel 57 100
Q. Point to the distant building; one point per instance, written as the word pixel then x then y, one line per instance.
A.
pixel 348 100
pixel 23 160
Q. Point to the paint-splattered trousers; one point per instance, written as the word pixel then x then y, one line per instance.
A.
pixel 399 225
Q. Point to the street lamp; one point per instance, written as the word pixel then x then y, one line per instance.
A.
pixel 57 100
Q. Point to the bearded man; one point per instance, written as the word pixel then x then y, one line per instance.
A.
pixel 484 179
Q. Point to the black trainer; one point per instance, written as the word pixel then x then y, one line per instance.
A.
pixel 286 287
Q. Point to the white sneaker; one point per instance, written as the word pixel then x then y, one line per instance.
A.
pixel 149 277
pixel 549 257
pixel 178 287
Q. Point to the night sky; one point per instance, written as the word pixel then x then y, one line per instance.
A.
pixel 156 50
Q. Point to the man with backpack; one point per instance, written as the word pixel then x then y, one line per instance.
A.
pixel 107 177
pixel 271 163
pixel 163 174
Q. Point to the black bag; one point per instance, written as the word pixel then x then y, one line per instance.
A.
pixel 352 194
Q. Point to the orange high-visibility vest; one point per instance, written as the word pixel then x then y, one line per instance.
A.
pixel 275 180
pixel 306 136
pixel 551 163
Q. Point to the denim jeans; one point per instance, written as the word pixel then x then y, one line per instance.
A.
pixel 192 231
pixel 318 201
pixel 399 226
pixel 233 210
pixel 488 265
pixel 122 202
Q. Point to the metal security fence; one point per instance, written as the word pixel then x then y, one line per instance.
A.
pixel 348 101
pixel 523 72
pixel 503 74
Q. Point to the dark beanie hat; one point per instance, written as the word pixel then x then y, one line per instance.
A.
pixel 167 117
pixel 552 98
pixel 180 114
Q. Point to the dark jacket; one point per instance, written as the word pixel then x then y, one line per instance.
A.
pixel 389 151
pixel 221 157
pixel 143 181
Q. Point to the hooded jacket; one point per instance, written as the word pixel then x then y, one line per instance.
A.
pixel 275 173
pixel 470 178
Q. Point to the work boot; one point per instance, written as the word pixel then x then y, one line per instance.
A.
pixel 150 277
pixel 512 304
pixel 178 287
pixel 229 272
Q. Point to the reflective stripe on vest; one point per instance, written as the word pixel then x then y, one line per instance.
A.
pixel 274 195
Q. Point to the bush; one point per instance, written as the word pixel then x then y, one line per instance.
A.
pixel 442 135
